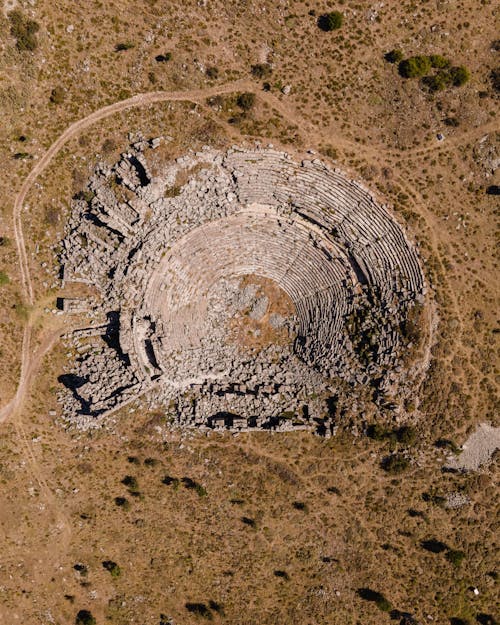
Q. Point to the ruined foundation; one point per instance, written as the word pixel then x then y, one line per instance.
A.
pixel 234 290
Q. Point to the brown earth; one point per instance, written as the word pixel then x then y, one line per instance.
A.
pixel 277 528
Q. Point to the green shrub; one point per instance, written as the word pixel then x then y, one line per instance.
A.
pixel 163 58
pixel 131 483
pixel 377 432
pixel 459 76
pixel 394 56
pixel 112 567
pixel 246 101
pixel 84 617
pixel 299 505
pixel 4 278
pixel 395 464
pixel 415 67
pixel 23 30
pixel 124 45
pixel 406 435
pixel 261 70
pixel 438 61
pixel 212 72
pixel 122 502
pixel 455 556
pixel 330 21
pixel 283 574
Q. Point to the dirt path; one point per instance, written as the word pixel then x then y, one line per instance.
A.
pixel 194 95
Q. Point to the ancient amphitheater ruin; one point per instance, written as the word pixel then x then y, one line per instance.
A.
pixel 234 290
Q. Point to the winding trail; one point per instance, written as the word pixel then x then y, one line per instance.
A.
pixel 196 96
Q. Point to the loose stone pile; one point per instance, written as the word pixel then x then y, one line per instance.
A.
pixel 239 298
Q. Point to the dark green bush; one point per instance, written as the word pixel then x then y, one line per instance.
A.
pixel 395 464
pixel 330 21
pixel 455 556
pixel 131 483
pixel 415 67
pixel 122 502
pixel 84 617
pixel 23 30
pixel 124 45
pixel 171 481
pixel 377 432
pixel 394 56
pixel 163 58
pixel 248 521
pixel 459 76
pixel 438 61
pixel 282 574
pixel 299 505
pixel 212 72
pixel 261 70
pixel 112 567
pixel 246 101
pixel 406 435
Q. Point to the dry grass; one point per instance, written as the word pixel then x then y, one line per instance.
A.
pixel 360 527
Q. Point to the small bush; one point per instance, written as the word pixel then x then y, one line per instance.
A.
pixel 124 45
pixel 212 72
pixel 246 101
pixel 415 67
pixel 248 521
pixel 200 609
pixel 112 567
pixel 261 70
pixel 283 574
pixel 438 61
pixel 122 502
pixel 459 76
pixel 437 82
pixel 455 556
pixel 299 505
pixel 394 56
pixel 171 481
pixel 377 432
pixel 4 278
pixel 406 435
pixel 24 31
pixel 131 483
pixel 163 58
pixel 84 617
pixel 378 598
pixel 395 464
pixel 330 21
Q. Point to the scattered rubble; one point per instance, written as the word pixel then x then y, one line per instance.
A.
pixel 172 267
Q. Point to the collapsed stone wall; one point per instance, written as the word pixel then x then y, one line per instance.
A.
pixel 169 262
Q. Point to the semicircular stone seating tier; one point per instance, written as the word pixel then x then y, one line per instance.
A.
pixel 157 254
